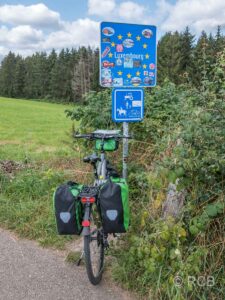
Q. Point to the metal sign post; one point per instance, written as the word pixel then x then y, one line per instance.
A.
pixel 127 106
pixel 125 148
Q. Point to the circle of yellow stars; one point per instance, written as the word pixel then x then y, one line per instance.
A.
pixel 145 46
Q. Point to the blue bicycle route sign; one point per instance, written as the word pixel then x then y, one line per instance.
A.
pixel 127 105
pixel 127 55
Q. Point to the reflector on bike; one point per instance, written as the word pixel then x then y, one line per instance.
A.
pixel 88 199
pixel 86 223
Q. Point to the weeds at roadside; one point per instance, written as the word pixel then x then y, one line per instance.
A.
pixel 72 257
pixel 26 205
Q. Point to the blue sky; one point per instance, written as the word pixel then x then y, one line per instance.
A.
pixel 73 9
pixel 68 9
pixel 27 26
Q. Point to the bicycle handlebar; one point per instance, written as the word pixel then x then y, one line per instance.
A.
pixel 95 136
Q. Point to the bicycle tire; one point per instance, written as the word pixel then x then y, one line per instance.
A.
pixel 94 278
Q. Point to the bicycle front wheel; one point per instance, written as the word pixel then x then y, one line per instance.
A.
pixel 94 256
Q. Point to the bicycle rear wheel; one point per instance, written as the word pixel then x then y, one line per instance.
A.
pixel 94 256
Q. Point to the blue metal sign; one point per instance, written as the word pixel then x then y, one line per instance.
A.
pixel 127 105
pixel 127 55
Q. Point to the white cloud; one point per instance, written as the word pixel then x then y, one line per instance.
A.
pixel 35 15
pixel 26 39
pixel 83 32
pixel 22 36
pixel 125 11
pixel 129 11
pixel 101 7
pixel 198 14
pixel 3 51
pixel 163 9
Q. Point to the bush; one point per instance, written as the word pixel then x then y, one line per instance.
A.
pixel 181 137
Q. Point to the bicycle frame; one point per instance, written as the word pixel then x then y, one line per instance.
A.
pixel 100 178
pixel 101 170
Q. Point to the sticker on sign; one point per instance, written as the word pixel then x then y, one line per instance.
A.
pixel 136 103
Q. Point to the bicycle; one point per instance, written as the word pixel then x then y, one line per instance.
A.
pixel 95 240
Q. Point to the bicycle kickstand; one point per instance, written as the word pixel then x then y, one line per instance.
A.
pixel 80 259
pixel 105 242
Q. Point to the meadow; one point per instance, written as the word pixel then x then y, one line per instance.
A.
pixel 36 155
pixel 33 129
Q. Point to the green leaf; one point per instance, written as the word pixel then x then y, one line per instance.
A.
pixel 220 207
pixel 180 172
pixel 172 176
pixel 194 230
pixel 211 210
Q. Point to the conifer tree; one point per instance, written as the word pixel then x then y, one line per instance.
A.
pixel 19 83
pixel 186 61
pixel 8 75
pixel 169 57
pixel 219 41
pixel 202 60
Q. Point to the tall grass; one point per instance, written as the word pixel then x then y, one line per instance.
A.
pixel 26 205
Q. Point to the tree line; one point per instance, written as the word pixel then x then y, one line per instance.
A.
pixel 68 75
pixel 182 59
pixel 63 76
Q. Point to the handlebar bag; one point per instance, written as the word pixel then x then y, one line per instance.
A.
pixel 68 209
pixel 108 144
pixel 113 199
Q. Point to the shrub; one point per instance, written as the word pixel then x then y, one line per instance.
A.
pixel 182 136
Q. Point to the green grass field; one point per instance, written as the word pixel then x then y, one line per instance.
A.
pixel 36 135
pixel 32 128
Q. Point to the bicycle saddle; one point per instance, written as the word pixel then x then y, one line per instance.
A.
pixel 93 158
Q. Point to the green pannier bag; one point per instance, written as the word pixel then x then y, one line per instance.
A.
pixel 109 144
pixel 68 208
pixel 114 204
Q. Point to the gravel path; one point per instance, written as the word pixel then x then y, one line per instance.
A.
pixel 29 272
